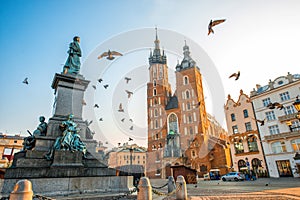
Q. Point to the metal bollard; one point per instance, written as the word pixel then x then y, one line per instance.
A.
pixel 181 193
pixel 145 189
pixel 22 191
pixel 171 184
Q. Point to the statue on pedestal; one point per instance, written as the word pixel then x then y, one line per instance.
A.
pixel 70 139
pixel 29 142
pixel 72 65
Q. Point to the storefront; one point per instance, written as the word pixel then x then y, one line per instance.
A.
pixel 284 168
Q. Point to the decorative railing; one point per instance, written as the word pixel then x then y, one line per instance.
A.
pixel 283 135
pixel 287 117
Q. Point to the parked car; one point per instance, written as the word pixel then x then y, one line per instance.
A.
pixel 236 176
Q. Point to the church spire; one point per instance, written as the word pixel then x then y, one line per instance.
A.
pixel 156 56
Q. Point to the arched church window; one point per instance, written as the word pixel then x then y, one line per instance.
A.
pixel 154 92
pixel 173 124
pixel 155 113
pixel 156 124
pixel 160 72
pixel 186 80
pixel 154 83
pixel 187 94
pixel 188 106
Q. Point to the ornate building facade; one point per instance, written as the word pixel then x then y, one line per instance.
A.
pixel 176 119
pixel 280 134
pixel 245 143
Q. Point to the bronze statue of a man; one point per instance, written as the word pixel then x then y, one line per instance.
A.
pixel 29 142
pixel 72 65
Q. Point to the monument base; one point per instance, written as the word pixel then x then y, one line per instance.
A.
pixel 66 174
pixel 74 185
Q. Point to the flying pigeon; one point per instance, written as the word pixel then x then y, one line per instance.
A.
pixel 121 108
pixel 25 81
pixel 88 123
pixel 130 139
pixel 105 86
pixel 129 93
pixel 100 80
pixel 131 128
pixel 119 143
pixel 262 122
pixel 96 106
pixel 131 120
pixel 94 86
pixel 236 75
pixel 214 23
pixel 101 119
pixel 127 79
pixel 122 120
pixel 110 55
pixel 275 105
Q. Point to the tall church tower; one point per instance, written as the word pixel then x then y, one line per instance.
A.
pixel 189 91
pixel 158 94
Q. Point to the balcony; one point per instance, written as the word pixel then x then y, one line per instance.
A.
pixel 282 135
pixel 287 117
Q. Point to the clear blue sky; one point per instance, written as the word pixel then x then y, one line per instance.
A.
pixel 259 38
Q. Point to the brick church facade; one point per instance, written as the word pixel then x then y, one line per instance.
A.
pixel 177 122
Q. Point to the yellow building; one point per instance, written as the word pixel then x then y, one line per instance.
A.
pixel 9 145
pixel 127 155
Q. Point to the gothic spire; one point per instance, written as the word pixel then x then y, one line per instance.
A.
pixel 156 56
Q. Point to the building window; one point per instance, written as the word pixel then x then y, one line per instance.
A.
pixel 188 106
pixel 248 126
pixel 154 72
pixel 186 80
pixel 190 119
pixel 295 124
pixel 156 136
pixel 191 130
pixel 273 129
pixel 193 154
pixel 232 117
pixel 154 83
pixel 278 147
pixel 156 124
pixel 296 144
pixel 270 115
pixel 187 94
pixel 245 113
pixel 154 92
pixel 252 143
pixel 235 129
pixel 284 96
pixel 155 113
pixel 155 101
pixel 289 110
pixel 160 72
pixel 266 102
pixel 238 145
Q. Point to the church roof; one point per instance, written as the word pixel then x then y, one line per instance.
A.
pixel 173 103
pixel 187 61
